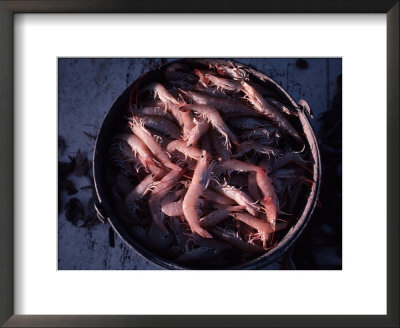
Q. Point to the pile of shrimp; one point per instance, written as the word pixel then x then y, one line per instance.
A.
pixel 209 161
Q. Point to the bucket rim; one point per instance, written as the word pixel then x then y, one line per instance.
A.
pixel 260 261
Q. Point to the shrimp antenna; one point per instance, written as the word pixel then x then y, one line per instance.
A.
pixel 299 152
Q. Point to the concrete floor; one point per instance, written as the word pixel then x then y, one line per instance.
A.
pixel 87 89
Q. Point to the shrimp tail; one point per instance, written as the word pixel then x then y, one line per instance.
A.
pixel 202 232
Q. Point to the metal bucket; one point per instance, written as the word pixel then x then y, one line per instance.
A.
pixel 113 121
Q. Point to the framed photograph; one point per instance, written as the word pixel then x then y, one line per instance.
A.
pixel 285 88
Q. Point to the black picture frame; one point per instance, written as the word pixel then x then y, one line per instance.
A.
pixel 10 7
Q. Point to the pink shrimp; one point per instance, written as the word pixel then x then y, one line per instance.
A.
pixel 236 165
pixel 239 197
pixel 216 197
pixel 222 84
pixel 182 147
pixel 162 93
pixel 200 74
pixel 171 109
pixel 173 209
pixel 200 180
pixel 170 205
pixel 214 118
pixel 121 155
pixel 151 143
pixel 264 228
pixel 201 128
pixel 212 92
pixel 158 193
pixel 138 154
pixel 265 108
pixel 270 200
pixel 232 70
pixel 213 218
pixel 137 146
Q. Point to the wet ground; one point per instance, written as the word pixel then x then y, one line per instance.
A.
pixel 86 91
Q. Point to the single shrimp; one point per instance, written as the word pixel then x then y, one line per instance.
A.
pixel 287 158
pixel 247 146
pixel 222 84
pixel 212 92
pixel 232 70
pixel 178 71
pixel 139 129
pixel 282 107
pixel 162 125
pixel 270 200
pixel 173 208
pixel 200 129
pixel 224 105
pixel 158 193
pixel 121 156
pixel 239 197
pixel 271 134
pixel 213 218
pixel 156 111
pixel 160 92
pixel 236 241
pixel 201 75
pixel 135 152
pixel 265 108
pixel 214 118
pixel 216 197
pixel 200 180
pixel 171 109
pixel 264 229
pixel 231 165
pixel 182 147
pixel 170 205
pixel 137 147
pixel 220 214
